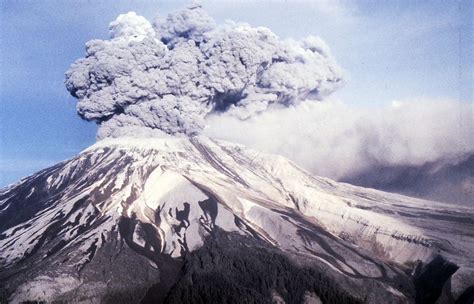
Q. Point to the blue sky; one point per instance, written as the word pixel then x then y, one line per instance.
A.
pixel 391 50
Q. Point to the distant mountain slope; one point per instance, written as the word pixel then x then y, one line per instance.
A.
pixel 167 220
pixel 450 180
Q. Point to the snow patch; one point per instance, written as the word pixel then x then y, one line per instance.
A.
pixel 44 288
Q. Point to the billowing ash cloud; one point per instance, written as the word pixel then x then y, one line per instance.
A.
pixel 334 139
pixel 171 75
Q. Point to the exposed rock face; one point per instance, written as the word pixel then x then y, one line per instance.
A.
pixel 126 218
pixel 430 279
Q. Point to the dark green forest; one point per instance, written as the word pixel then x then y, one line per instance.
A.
pixel 231 268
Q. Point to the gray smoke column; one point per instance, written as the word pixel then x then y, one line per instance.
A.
pixel 171 75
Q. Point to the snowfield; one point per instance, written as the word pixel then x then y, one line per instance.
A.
pixel 165 195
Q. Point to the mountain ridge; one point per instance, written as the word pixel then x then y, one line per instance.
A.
pixel 163 198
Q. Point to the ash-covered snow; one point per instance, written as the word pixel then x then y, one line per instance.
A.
pixel 44 289
pixel 181 189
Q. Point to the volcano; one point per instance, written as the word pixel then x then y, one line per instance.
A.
pixel 197 220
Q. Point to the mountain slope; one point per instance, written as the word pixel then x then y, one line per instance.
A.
pixel 126 218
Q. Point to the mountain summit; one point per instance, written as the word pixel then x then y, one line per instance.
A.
pixel 200 220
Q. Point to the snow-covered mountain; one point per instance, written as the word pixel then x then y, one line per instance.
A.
pixel 131 220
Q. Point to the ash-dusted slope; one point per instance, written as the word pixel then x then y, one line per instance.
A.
pixel 117 220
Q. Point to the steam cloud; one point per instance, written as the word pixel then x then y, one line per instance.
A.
pixel 246 85
pixel 171 75
pixel 334 139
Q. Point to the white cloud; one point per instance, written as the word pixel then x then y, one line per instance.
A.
pixel 334 139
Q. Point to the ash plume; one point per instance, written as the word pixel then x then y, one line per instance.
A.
pixel 170 75
pixel 338 140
